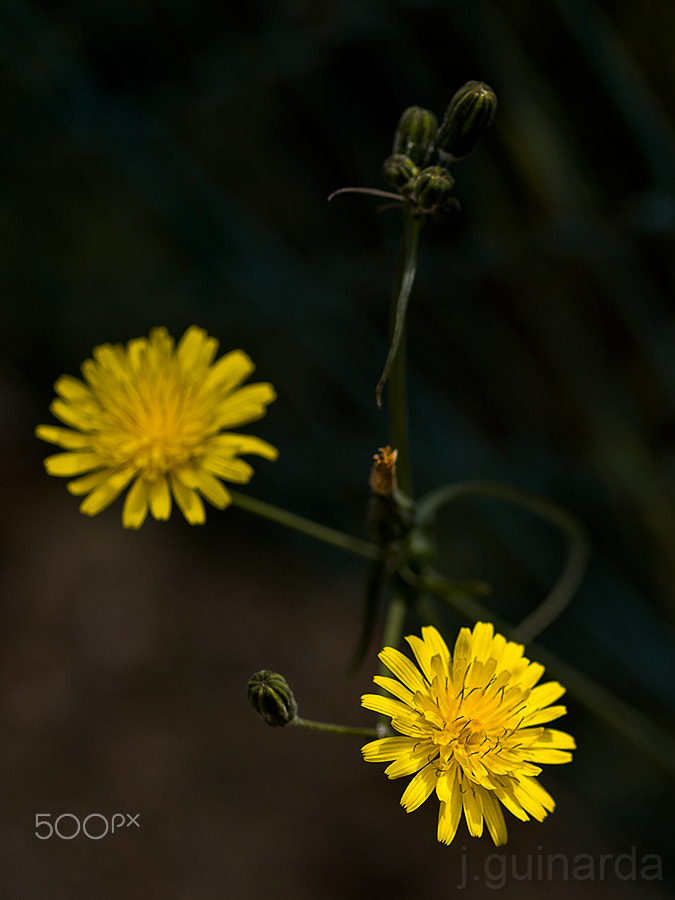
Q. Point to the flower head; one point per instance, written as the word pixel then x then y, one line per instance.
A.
pixel 153 416
pixel 472 729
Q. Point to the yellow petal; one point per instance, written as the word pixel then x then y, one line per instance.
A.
pixel 72 463
pixel 420 753
pixel 543 695
pixel 160 499
pixel 386 749
pixel 87 483
pixel 483 633
pixel 449 815
pixel 235 444
pixel 136 504
pixel 533 798
pixel 419 789
pixel 196 350
pixel 394 687
pixel 544 715
pixel 104 494
pixel 473 809
pixel 229 372
pixel 73 389
pixel 235 470
pixel 494 818
pixel 400 666
pixel 246 405
pixel 64 437
pixel 189 502
pixel 214 490
pixel 386 706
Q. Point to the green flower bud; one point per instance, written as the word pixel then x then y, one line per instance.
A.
pixel 415 134
pixel 433 189
pixel 270 695
pixel 469 114
pixel 399 170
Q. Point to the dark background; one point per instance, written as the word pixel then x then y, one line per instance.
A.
pixel 168 163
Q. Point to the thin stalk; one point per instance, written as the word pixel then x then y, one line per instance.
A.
pixel 336 729
pixel 306 526
pixel 394 367
pixel 398 396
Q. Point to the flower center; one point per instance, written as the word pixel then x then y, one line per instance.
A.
pixel 460 740
pixel 154 432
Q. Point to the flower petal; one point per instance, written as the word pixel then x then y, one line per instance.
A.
pixel 72 463
pixel 400 666
pixel 473 808
pixel 160 499
pixel 386 749
pixel 106 491
pixel 494 817
pixel 135 507
pixel 419 789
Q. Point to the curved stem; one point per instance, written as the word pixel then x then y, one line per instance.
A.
pixel 306 526
pixel 374 192
pixel 577 543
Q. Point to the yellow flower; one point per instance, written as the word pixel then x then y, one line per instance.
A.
pixel 472 726
pixel 152 416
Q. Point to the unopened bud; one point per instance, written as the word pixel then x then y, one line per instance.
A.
pixel 399 170
pixel 433 189
pixel 469 114
pixel 415 134
pixel 271 697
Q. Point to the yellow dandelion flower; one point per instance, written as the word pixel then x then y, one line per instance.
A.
pixel 472 726
pixel 152 416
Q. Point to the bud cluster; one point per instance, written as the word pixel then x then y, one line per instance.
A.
pixel 427 187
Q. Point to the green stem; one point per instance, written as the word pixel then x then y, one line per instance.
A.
pixel 406 267
pixel 336 729
pixel 306 526
pixel 394 367
pixel 577 543
pixel 393 626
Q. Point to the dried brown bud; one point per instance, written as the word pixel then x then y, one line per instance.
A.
pixel 383 473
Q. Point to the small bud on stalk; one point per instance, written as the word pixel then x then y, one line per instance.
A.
pixel 469 114
pixel 399 170
pixel 433 189
pixel 415 134
pixel 271 697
